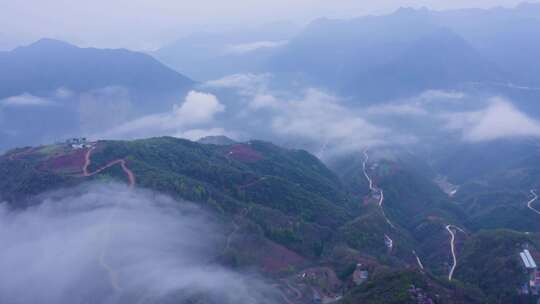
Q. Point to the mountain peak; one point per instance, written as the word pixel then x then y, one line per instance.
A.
pixel 219 140
pixel 51 43
pixel 412 12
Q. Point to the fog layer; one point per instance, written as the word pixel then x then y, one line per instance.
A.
pixel 110 244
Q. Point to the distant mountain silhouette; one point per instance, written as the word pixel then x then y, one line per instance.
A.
pixel 376 58
pixel 47 65
pixel 383 57
pixel 207 56
pixel 442 60
pixel 100 88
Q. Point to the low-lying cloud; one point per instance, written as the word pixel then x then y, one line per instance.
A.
pixel 432 95
pixel 25 100
pixel 309 118
pixel 499 120
pixel 111 244
pixel 197 110
pixel 246 84
pixel 243 48
pixel 320 118
pixel 104 108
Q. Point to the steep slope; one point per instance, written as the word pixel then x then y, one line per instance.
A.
pixel 294 199
pixel 441 60
pixel 490 260
pixel 409 287
pixel 287 215
pixel 505 36
pixel 413 214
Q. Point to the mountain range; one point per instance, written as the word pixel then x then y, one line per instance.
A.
pixel 407 52
pixel 380 159
pixel 296 216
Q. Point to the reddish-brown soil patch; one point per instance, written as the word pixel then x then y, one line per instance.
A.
pixel 67 163
pixel 20 153
pixel 243 152
pixel 278 258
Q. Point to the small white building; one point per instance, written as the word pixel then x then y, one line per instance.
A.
pixel 78 143
pixel 534 276
pixel 360 275
pixel 527 260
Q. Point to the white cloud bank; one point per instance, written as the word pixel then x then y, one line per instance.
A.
pixel 310 118
pixel 240 49
pixel 25 100
pixel 198 109
pixel 319 117
pixel 110 244
pixel 247 84
pixel 433 95
pixel 499 120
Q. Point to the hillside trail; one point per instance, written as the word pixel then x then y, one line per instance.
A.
pixel 111 272
pixel 534 199
pixel 418 260
pixel 374 189
pixel 87 162
pixel 453 248
pixel 253 183
pixel 236 227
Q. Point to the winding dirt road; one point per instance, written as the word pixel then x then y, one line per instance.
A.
pixel 366 159
pixel 534 199
pixel 372 188
pixel 229 238
pixel 113 275
pixel 453 248
pixel 121 162
pixel 388 241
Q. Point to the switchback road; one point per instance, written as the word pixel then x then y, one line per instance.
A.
pixel 534 199
pixel 453 248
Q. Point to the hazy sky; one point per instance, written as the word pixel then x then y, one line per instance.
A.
pixel 146 24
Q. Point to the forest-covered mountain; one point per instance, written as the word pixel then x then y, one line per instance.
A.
pixel 289 215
